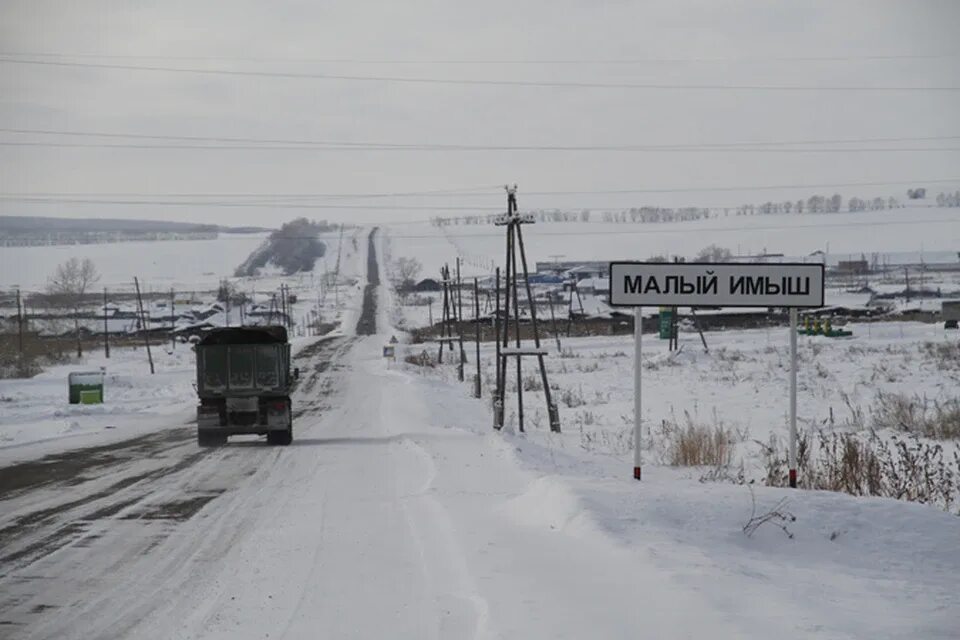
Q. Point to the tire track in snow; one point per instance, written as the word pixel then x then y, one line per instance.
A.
pixel 84 521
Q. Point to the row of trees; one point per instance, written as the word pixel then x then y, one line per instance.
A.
pixel 819 204
pixel 948 199
pixel 814 204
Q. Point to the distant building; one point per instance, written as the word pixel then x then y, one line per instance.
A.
pixel 427 285
pixel 590 268
pixel 853 267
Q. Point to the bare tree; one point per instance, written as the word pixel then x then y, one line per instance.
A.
pixel 67 287
pixel 407 270
pixel 713 253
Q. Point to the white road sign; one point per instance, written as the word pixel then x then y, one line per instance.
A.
pixel 727 284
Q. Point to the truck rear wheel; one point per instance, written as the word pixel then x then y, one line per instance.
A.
pixel 283 438
pixel 205 439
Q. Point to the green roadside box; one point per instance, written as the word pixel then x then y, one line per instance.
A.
pixel 666 322
pixel 85 387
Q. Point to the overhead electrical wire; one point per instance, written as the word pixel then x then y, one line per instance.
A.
pixel 193 147
pixel 458 146
pixel 478 82
pixel 485 191
pixel 486 61
pixel 628 231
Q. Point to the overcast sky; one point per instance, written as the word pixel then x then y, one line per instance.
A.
pixel 755 43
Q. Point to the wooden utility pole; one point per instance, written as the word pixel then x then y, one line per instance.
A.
pixel 336 271
pixel 476 321
pixel 459 296
pixel 497 404
pixel 173 320
pixel 106 327
pixel 19 323
pixel 553 321
pixel 143 325
pixel 574 289
pixel 513 222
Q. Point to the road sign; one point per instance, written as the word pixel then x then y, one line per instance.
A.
pixel 727 284
pixel 712 284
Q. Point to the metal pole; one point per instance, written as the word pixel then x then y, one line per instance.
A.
pixel 637 367
pixel 793 398
pixel 106 327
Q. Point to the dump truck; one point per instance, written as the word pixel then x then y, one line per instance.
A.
pixel 243 383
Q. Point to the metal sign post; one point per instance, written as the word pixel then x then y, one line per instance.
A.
pixel 700 284
pixel 637 419
pixel 793 399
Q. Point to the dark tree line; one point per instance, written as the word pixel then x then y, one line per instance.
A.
pixel 294 247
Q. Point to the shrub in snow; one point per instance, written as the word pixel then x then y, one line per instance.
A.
pixel 695 444
pixel 904 468
pixel 916 414
pixel 778 516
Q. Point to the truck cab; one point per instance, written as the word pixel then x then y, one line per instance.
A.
pixel 244 383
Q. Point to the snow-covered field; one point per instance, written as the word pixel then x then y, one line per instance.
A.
pixel 932 232
pixel 740 385
pixel 181 264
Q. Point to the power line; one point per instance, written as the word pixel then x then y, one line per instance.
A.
pixel 197 147
pixel 276 205
pixel 469 191
pixel 475 82
pixel 340 143
pixel 633 231
pixel 482 61
pixel 692 230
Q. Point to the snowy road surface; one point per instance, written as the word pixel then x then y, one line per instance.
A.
pixel 396 513
pixel 369 526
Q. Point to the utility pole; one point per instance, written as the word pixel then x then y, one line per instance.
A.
pixel 173 321
pixel 553 321
pixel 336 271
pixel 143 324
pixel 497 403
pixel 20 323
pixel 459 296
pixel 106 327
pixel 476 321
pixel 513 221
